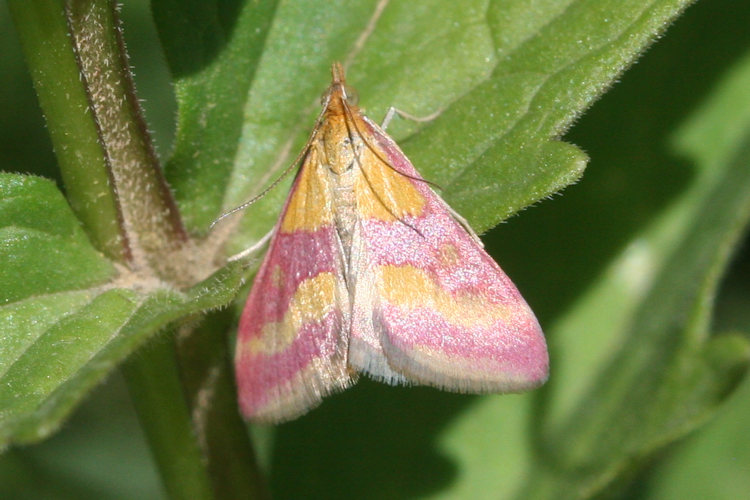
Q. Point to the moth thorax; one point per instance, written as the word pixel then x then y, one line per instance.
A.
pixel 342 150
pixel 345 205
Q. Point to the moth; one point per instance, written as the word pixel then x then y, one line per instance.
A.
pixel 369 271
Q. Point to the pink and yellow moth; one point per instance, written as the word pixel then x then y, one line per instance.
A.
pixel 369 271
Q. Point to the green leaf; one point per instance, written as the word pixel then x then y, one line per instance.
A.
pixel 654 372
pixel 723 443
pixel 507 81
pixel 44 249
pixel 213 50
pixel 714 134
pixel 66 318
pixel 101 445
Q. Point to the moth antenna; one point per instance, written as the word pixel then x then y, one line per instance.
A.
pixel 281 177
pixel 461 220
pixel 385 205
pixel 349 115
pixel 364 173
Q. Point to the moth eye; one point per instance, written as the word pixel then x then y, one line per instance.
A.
pixel 351 96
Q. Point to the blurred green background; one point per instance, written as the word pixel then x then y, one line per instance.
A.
pixel 632 174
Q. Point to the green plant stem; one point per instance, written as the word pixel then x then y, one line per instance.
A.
pixel 207 377
pixel 77 60
pixel 148 213
pixel 43 31
pixel 154 384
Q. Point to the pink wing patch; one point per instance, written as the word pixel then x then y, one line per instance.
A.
pixel 290 350
pixel 445 313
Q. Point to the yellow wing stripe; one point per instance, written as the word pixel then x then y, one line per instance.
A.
pixel 411 288
pixel 383 193
pixel 311 302
pixel 309 206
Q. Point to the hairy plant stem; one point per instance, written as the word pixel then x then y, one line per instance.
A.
pixel 113 179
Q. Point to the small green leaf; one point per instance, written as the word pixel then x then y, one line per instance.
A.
pixel 65 319
pixel 44 249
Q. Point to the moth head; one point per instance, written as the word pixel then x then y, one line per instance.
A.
pixel 339 88
pixel 346 92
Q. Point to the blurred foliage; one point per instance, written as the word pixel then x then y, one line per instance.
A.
pixel 660 142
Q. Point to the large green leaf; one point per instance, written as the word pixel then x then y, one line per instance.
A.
pixel 213 50
pixel 508 82
pixel 67 318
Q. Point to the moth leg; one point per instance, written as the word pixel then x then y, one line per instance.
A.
pixel 403 114
pixel 251 250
